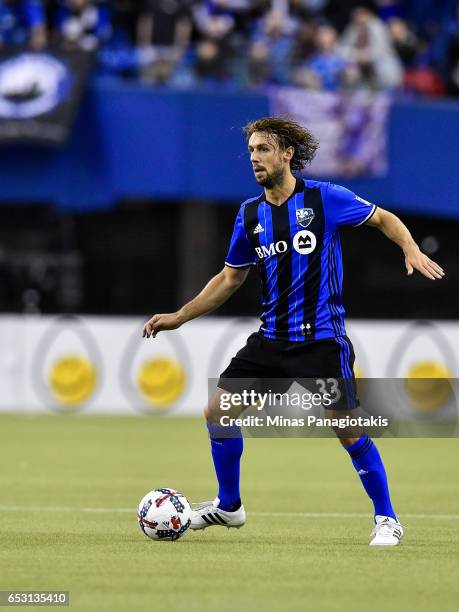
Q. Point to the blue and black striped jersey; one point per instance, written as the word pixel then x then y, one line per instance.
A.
pixel 297 249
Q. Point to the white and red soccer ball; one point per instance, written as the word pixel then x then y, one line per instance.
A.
pixel 164 514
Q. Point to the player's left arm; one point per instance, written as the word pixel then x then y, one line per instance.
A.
pixel 391 226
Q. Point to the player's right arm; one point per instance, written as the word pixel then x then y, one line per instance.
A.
pixel 217 291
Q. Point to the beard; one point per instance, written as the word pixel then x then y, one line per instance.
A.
pixel 272 179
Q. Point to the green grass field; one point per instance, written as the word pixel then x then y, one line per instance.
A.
pixel 69 493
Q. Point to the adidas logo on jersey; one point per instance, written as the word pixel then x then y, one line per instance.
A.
pixel 258 229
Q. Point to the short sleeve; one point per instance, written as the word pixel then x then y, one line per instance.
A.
pixel 34 13
pixel 240 252
pixel 345 208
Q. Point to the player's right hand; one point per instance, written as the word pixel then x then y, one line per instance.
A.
pixel 161 322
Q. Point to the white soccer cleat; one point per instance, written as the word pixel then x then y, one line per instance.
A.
pixel 208 514
pixel 387 532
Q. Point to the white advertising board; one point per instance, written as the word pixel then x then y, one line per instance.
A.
pixel 102 365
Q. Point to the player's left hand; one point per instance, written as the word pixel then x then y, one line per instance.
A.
pixel 416 260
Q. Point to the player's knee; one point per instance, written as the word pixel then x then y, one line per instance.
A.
pixel 212 414
pixel 346 441
pixel 346 435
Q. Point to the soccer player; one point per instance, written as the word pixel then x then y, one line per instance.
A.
pixel 291 233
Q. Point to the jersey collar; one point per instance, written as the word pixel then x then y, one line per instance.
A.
pixel 299 187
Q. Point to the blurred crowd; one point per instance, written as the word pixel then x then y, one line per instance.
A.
pixel 408 45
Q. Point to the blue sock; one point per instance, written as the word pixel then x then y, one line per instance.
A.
pixel 370 468
pixel 226 453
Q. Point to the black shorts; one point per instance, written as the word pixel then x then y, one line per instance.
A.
pixel 265 363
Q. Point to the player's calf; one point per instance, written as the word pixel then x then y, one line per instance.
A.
pixel 227 446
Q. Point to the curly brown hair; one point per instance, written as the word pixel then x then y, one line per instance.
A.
pixel 288 133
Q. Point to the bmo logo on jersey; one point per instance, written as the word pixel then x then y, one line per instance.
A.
pixel 274 248
pixel 304 242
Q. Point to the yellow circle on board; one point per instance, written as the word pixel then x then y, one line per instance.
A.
pixel 161 381
pixel 428 386
pixel 359 382
pixel 73 379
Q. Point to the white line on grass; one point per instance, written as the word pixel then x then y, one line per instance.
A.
pixel 443 517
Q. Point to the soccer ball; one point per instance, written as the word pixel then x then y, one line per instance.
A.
pixel 164 514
